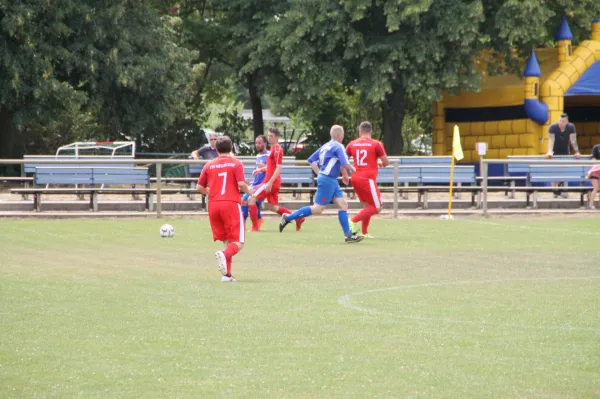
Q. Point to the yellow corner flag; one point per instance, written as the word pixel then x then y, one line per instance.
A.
pixel 456 147
pixel 457 153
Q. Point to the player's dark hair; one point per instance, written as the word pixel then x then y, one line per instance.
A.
pixel 563 115
pixel 275 131
pixel 224 145
pixel 263 138
pixel 366 127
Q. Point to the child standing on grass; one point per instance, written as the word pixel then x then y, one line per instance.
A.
pixel 594 176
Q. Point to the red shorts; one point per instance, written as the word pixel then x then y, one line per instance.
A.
pixel 367 191
pixel 227 221
pixel 272 198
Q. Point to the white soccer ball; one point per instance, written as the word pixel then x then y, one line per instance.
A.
pixel 167 230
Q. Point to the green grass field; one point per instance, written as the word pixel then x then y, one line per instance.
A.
pixel 506 308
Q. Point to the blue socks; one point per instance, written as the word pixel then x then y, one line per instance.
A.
pixel 343 218
pixel 258 206
pixel 301 213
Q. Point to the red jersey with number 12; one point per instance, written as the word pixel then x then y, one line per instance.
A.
pixel 222 175
pixel 275 158
pixel 366 152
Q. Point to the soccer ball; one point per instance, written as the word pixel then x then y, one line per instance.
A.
pixel 167 230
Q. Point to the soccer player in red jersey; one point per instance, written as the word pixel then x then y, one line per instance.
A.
pixel 222 179
pixel 269 189
pixel 368 154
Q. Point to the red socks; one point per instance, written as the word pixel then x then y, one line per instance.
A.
pixel 364 216
pixel 253 211
pixel 229 252
pixel 282 211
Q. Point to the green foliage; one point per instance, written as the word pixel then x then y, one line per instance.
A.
pixel 86 64
pixel 118 69
pixel 396 51
pixel 233 125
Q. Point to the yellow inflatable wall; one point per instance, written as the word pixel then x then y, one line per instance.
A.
pixel 497 114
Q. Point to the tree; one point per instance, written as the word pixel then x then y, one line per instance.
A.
pixel 395 50
pixel 112 64
pixel 224 32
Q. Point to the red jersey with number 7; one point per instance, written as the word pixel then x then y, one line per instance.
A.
pixel 222 175
pixel 366 153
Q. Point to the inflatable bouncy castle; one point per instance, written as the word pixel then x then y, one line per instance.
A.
pixel 512 114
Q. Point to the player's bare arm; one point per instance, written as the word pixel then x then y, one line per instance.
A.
pixel 345 177
pixel 202 190
pixel 573 140
pixel 245 188
pixel 315 167
pixel 259 170
pixel 384 160
pixel 550 143
pixel 269 184
pixel 348 167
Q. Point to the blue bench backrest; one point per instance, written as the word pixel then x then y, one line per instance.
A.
pixel 417 160
pixel 195 169
pixel 462 174
pixel 63 175
pixel 523 169
pixel 31 164
pixel 427 174
pixel 67 175
pixel 557 173
pixel 405 175
pixel 297 175
pixel 128 176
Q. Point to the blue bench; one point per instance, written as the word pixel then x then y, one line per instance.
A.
pixel 194 170
pixel 91 176
pixel 425 160
pixel 427 174
pixel 520 172
pixel 290 174
pixel 30 166
pixel 559 173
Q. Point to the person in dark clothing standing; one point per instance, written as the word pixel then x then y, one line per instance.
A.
pixel 560 135
pixel 207 151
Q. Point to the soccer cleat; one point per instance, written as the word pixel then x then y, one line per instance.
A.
pixel 220 255
pixel 283 223
pixel 299 223
pixel 353 228
pixel 259 224
pixel 228 279
pixel 354 238
pixel 368 236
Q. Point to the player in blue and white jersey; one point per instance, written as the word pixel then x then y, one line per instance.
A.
pixel 259 176
pixel 327 162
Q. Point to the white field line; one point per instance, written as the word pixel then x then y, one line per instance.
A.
pixel 346 301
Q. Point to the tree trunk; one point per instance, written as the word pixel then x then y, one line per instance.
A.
pixel 393 116
pixel 7 134
pixel 258 125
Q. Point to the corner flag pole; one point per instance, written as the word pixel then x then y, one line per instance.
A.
pixel 451 185
pixel 457 155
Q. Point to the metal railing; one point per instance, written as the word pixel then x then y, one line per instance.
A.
pixel 394 164
pixel 159 163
